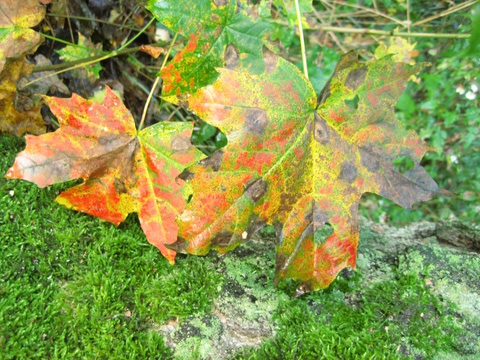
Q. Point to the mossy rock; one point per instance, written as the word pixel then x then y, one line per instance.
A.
pixel 415 294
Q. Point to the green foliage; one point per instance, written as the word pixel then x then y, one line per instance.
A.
pixel 91 291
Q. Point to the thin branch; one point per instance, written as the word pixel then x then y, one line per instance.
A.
pixel 390 33
pixel 84 61
pixel 95 20
pixel 374 11
pixel 447 12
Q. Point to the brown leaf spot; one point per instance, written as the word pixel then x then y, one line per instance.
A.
pixel 180 144
pixel 231 57
pixel 222 239
pixel 347 60
pixel 216 34
pixel 220 3
pixel 186 175
pixel 178 246
pixel 321 130
pixel 214 161
pixel 356 77
pixel 280 261
pixel 270 60
pixel 256 121
pixel 348 172
pixel 119 186
pixel 319 218
pixel 369 161
pixel 256 189
pixel 324 94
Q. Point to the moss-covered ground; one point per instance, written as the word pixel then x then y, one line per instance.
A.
pixel 72 286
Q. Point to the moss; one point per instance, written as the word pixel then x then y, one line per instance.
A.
pixel 391 319
pixel 72 286
pixel 92 290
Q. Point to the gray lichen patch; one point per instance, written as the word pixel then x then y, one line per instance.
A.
pixel 242 313
pixel 413 295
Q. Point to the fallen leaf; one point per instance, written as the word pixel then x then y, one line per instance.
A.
pixel 124 171
pixel 16 37
pixel 45 81
pixel 301 164
pixel 153 51
pixel 19 112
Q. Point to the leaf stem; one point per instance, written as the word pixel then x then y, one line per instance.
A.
pixel 68 43
pixel 136 36
pixel 302 40
pixel 390 33
pixel 94 59
pixel 155 84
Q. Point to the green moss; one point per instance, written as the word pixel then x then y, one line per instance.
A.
pixel 72 286
pixel 392 319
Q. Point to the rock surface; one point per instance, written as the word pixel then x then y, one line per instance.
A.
pixel 445 255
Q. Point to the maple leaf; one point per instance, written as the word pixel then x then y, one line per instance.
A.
pixel 83 50
pixel 16 19
pixel 401 49
pixel 300 163
pixel 209 25
pixel 18 112
pixel 124 171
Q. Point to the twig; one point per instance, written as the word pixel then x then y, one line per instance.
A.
pixel 95 58
pixel 374 11
pixel 447 12
pixel 95 20
pixel 390 33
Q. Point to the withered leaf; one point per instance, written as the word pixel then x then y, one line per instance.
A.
pixel 124 170
pixel 16 19
pixel 19 112
pixel 303 165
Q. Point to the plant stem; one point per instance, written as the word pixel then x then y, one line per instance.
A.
pixel 82 61
pixel 157 80
pixel 302 41
pixel 94 59
pixel 68 43
pixel 138 34
pixel 391 33
pixel 94 20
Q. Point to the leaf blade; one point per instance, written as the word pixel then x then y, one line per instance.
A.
pixel 123 171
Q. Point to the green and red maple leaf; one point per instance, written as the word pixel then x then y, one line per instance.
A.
pixel 301 163
pixel 124 170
